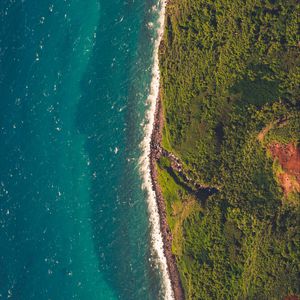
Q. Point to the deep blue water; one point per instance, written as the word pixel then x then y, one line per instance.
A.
pixel 74 77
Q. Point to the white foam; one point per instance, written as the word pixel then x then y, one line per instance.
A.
pixel 156 236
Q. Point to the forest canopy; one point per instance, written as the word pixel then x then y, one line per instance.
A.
pixel 230 77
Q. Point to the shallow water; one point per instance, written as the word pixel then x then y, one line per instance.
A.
pixel 74 79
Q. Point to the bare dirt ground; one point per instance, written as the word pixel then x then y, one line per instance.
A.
pixel 291 298
pixel 289 159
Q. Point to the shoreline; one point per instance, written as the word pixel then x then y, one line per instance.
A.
pixel 158 239
pixel 161 238
pixel 155 154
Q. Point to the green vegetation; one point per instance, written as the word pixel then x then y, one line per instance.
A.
pixel 230 87
pixel 179 203
pixel 285 132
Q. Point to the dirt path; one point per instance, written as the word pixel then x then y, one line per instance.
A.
pixel 264 131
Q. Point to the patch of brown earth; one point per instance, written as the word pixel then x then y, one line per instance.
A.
pixel 292 297
pixel 262 134
pixel 289 159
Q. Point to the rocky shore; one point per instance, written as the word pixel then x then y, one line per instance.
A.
pixel 156 152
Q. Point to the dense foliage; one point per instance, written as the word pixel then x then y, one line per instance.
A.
pixel 230 87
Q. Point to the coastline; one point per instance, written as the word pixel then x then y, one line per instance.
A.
pixel 157 218
pixel 161 238
pixel 155 154
pixel 215 216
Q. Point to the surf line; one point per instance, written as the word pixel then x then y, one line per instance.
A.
pixel 145 166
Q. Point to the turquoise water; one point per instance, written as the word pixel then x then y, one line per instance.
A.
pixel 74 77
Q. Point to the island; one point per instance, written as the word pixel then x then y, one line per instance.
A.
pixel 225 150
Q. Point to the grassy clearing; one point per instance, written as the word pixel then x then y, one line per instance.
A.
pixel 179 204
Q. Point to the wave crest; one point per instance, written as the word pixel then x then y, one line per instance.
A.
pixel 154 218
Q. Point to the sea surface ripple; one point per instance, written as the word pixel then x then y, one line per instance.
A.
pixel 74 81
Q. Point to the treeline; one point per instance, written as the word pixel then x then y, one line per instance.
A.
pixel 230 69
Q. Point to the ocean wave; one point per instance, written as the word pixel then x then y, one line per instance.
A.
pixel 154 218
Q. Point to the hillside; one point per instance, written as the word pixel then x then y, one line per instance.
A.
pixel 230 77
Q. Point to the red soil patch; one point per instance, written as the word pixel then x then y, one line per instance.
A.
pixel 289 158
pixel 291 298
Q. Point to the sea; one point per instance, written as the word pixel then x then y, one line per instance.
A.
pixel 77 218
